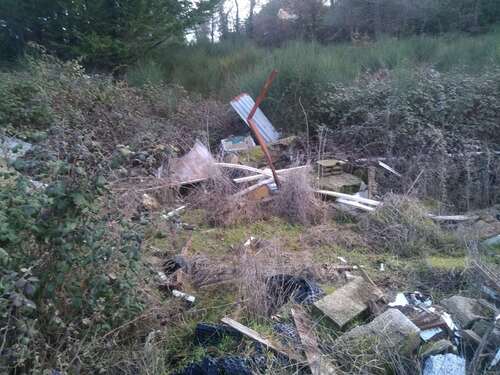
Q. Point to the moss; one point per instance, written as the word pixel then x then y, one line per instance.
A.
pixel 446 263
pixel 216 241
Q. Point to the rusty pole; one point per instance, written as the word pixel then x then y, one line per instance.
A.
pixel 255 130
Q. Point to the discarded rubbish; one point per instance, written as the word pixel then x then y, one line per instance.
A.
pixel 243 105
pixel 443 364
pixel 184 296
pixel 317 364
pixel 174 213
pixel 428 334
pixel 237 143
pixel 282 288
pixel 349 301
pixel 258 338
pixel 197 165
pixel 495 360
pixel 392 328
pixel 215 366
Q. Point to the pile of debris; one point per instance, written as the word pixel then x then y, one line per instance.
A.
pixel 459 333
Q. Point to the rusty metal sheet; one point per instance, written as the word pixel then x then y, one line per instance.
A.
pixel 243 105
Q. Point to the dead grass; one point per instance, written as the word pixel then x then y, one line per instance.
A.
pixel 402 227
pixel 296 200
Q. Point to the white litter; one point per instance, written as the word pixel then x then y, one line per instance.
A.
pixel 399 301
pixel 428 334
pixel 342 260
pixel 496 360
pixel 183 295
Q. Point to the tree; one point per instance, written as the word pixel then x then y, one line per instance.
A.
pixel 104 32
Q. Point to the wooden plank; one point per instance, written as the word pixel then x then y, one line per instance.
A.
pixel 250 333
pixel 245 168
pixel 310 344
pixel 355 204
pixel 355 198
pixel 453 218
pixel 253 187
pixel 259 176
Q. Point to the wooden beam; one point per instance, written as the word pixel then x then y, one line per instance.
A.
pixel 310 344
pixel 355 204
pixel 258 177
pixel 335 194
pixel 245 168
pixel 250 333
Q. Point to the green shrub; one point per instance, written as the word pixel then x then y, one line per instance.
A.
pixel 63 270
pixel 23 103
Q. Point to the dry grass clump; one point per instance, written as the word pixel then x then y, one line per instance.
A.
pixel 296 201
pixel 402 226
pixel 217 197
pixel 370 355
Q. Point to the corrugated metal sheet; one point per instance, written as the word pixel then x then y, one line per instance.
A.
pixel 243 104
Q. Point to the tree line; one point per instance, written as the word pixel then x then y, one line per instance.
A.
pixel 112 33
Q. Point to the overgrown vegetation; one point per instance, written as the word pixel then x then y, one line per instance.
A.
pixel 86 230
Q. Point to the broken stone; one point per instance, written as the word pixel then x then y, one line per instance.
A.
pixel 443 364
pixel 343 183
pixel 437 347
pixel 465 310
pixel 481 327
pixel 349 301
pixel 393 330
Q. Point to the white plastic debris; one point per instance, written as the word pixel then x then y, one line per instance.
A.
pixel 399 301
pixel 184 296
pixel 496 360
pixel 249 241
pixel 382 267
pixel 443 364
pixel 342 260
pixel 173 213
pixel 428 334
pixel 449 321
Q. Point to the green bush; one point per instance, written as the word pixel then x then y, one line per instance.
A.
pixel 402 113
pixel 23 103
pixel 62 271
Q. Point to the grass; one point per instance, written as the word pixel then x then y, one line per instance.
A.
pixel 226 69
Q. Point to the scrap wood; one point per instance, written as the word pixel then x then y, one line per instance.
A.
pixel 245 168
pixel 259 176
pixel 310 344
pixel 253 187
pixel 355 198
pixel 355 204
pixel 257 337
pixel 453 218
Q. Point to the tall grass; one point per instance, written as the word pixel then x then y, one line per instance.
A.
pixel 227 68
